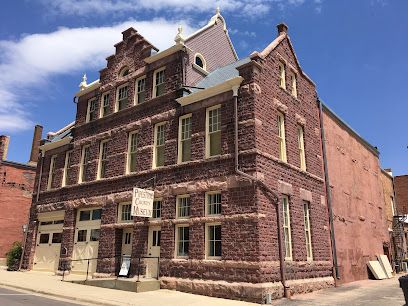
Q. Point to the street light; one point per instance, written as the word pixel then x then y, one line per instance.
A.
pixel 23 246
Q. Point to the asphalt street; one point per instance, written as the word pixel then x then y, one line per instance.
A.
pixel 13 298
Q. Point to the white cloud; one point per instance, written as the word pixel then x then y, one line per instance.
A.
pixel 31 61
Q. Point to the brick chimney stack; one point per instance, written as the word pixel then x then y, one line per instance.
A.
pixel 282 28
pixel 36 143
pixel 4 143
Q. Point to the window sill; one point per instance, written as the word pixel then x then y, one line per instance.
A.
pixel 213 258
pixel 203 71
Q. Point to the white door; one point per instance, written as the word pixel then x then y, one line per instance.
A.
pixel 153 251
pixel 127 241
pixel 85 247
pixel 47 251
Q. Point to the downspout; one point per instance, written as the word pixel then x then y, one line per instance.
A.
pixel 401 251
pixel 258 181
pixel 327 182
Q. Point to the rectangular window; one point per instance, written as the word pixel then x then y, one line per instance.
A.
pixel 286 228
pixel 85 215
pixel 91 110
pixel 132 152
pixel 214 241
pixel 51 175
pixel 128 237
pixel 96 214
pixel 122 97
pixel 159 141
pixel 84 164
pixel 105 104
pixel 46 222
pixel 44 238
pixel 56 237
pixel 81 235
pixel 281 137
pixel 103 159
pixel 293 79
pixel 213 203
pixel 124 212
pixel 213 129
pixel 156 238
pixel 159 82
pixel 157 207
pixel 183 206
pixel 67 168
pixel 182 241
pixel 140 93
pixel 282 75
pixel 307 230
pixel 95 233
pixel 184 146
pixel 301 148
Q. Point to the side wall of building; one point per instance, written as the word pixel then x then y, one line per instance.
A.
pixel 401 192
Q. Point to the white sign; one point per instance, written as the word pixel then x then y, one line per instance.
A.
pixel 124 270
pixel 142 202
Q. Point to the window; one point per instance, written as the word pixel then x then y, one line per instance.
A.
pixel 286 228
pixel 90 214
pixel 81 235
pixel 199 61
pixel 124 212
pixel 159 140
pixel 103 159
pixel 301 148
pixel 157 207
pixel 213 201
pixel 213 131
pixel 105 104
pixel 307 230
pixel 52 172
pixel 85 215
pixel 282 75
pixel 156 238
pixel 293 79
pixel 182 241
pixel 122 97
pixel 44 238
pixel 281 137
pixel 46 223
pixel 213 237
pixel 128 236
pixel 67 168
pixel 132 152
pixel 184 146
pixel 124 72
pixel 183 206
pixel 56 237
pixel 83 177
pixel 96 214
pixel 95 233
pixel 159 82
pixel 91 116
pixel 140 90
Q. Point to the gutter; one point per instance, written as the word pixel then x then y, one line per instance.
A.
pixel 327 183
pixel 282 265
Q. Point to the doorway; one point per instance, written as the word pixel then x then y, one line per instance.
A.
pixel 153 251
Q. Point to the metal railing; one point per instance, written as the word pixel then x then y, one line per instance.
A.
pixel 65 263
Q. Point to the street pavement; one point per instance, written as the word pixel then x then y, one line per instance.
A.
pixel 14 298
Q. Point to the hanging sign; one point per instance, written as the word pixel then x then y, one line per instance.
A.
pixel 142 202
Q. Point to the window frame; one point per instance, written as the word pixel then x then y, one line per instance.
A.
pixel 117 96
pixel 207 241
pixel 293 79
pixel 282 77
pixel 65 176
pixel 51 174
pixel 129 156
pixel 136 99
pixel 178 200
pixel 155 82
pixel 177 240
pixel 301 147
pixel 161 209
pixel 281 137
pixel 180 140
pixel 201 57
pixel 155 146
pixel 287 227
pixel 123 70
pixel 90 215
pixel 82 165
pixel 103 106
pixel 88 110
pixel 308 235
pixel 207 203
pixel 207 131
pixel 100 165
pixel 120 212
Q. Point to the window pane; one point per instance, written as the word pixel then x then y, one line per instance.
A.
pixel 44 238
pixel 184 207
pixel 141 97
pixel 154 238
pixel 159 90
pixel 96 214
pixel 46 222
pixel 126 212
pixel 158 237
pixel 160 156
pixel 186 150
pixel 123 104
pixel 56 237
pixel 58 221
pixel 81 235
pixel 214 204
pixel 215 144
pixel 84 215
pixel 133 162
pixel 217 232
pixel 95 233
pixel 199 62
pixel 157 209
pixel 217 248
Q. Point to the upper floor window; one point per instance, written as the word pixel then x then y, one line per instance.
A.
pixel 159 141
pixel 183 206
pixel 103 159
pixel 281 137
pixel 213 131
pixel 282 75
pixel 89 214
pixel 105 104
pixel 213 203
pixel 140 90
pixel 132 152
pixel 184 146
pixel 91 114
pixel 124 72
pixel 286 228
pixel 51 175
pixel 157 208
pixel 293 79
pixel 200 61
pixel 83 171
pixel 301 148
pixel 124 212
pixel 159 77
pixel 307 230
pixel 67 168
pixel 121 97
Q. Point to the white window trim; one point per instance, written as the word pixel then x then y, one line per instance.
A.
pixel 177 238
pixel 202 59
pixel 64 176
pixel 180 155
pixel 282 77
pixel 293 79
pixel 128 151
pixel 207 242
pixel 102 99
pixel 117 96
pixel 50 174
pixel 161 210
pixel 120 212
pixel 90 221
pixel 177 206
pixel 301 143
pixel 154 79
pixel 282 139
pixel 207 131
pixel 88 112
pixel 207 203
pixel 100 158
pixel 289 228
pixel 136 100
pixel 155 141
pixel 81 169
pixel 308 233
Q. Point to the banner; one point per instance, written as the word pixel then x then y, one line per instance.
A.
pixel 142 202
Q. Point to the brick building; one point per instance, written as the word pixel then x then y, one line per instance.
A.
pixel 16 188
pixel 401 192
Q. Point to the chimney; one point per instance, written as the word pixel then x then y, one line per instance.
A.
pixel 282 28
pixel 4 143
pixel 36 143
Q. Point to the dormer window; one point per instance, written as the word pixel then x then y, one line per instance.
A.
pixel 124 72
pixel 199 61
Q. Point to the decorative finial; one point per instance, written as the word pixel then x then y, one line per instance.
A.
pixel 84 78
pixel 180 29
pixel 218 9
pixel 179 39
pixel 83 84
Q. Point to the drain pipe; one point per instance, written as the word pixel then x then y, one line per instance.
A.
pixel 401 250
pixel 326 176
pixel 258 181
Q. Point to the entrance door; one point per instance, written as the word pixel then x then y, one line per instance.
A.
pixel 153 251
pixel 47 252
pixel 127 241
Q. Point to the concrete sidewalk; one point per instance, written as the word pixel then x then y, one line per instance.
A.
pixel 49 285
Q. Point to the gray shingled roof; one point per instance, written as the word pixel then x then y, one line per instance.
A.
pixel 220 75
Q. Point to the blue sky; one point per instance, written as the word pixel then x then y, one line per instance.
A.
pixel 355 51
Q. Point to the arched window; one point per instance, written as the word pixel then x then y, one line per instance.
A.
pixel 124 72
pixel 199 61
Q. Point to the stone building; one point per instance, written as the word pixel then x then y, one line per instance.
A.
pixel 16 189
